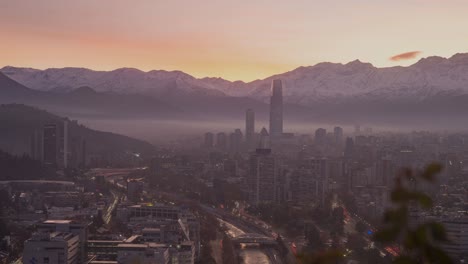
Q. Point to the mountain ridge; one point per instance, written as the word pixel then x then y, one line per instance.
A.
pixel 353 92
pixel 303 85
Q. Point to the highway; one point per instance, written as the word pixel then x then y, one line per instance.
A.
pixel 107 216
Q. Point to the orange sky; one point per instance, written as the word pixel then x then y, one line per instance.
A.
pixel 235 40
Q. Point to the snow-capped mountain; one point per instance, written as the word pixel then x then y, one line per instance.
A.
pixel 322 83
pixel 334 82
pixel 124 81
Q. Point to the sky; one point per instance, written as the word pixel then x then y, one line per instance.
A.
pixel 235 40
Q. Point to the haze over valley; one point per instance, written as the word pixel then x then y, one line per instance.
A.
pixel 430 94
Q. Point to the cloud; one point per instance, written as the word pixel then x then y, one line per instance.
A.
pixel 405 56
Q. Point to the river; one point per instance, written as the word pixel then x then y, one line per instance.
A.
pixel 249 255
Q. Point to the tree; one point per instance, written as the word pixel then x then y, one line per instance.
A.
pixel 420 244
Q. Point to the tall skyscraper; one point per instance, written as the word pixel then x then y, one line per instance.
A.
pixel 338 135
pixel 276 109
pixel 250 128
pixel 320 136
pixel 55 146
pixel 36 145
pixel 50 146
pixel 349 148
pixel 209 140
pixel 221 141
pixel 235 141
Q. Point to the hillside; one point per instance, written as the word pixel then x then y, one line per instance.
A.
pixel 19 121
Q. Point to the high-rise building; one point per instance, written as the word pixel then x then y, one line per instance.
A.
pixel 65 144
pixel 77 152
pixel 457 233
pixel 235 141
pixel 56 247
pixel 264 139
pixel 221 141
pixel 134 190
pixel 338 135
pixel 320 136
pixel 357 130
pixel 276 109
pixel 55 146
pixel 250 128
pixel 262 177
pixel 36 145
pixel 318 169
pixel 209 140
pixel 384 170
pixel 50 145
pixel 349 148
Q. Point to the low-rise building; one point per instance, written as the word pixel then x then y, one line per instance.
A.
pixel 52 248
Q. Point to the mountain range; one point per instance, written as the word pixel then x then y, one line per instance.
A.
pixel 434 87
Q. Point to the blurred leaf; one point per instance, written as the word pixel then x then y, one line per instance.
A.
pixel 420 235
pixel 437 255
pixel 408 173
pixel 437 231
pixel 393 216
pixel 430 171
pixel 409 242
pixel 387 234
pixel 399 195
pixel 424 200
pixel 403 260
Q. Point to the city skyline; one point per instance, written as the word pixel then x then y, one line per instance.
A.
pixel 233 132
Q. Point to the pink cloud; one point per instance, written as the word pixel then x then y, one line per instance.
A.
pixel 405 56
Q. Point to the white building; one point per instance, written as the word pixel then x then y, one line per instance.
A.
pixel 52 248
pixel 68 226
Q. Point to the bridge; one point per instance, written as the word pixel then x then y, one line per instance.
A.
pixel 253 238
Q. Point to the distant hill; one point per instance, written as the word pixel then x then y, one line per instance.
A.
pixel 84 101
pixel 18 123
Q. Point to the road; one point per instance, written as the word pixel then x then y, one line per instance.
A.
pixel 235 225
pixel 351 219
pixel 112 176
pixel 107 216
